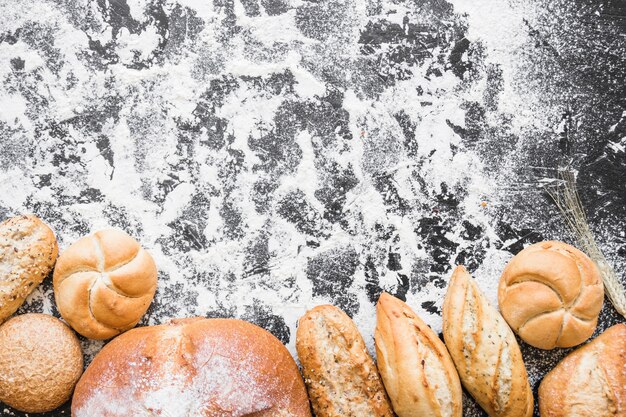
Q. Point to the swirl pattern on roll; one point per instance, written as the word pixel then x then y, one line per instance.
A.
pixel 551 294
pixel 104 283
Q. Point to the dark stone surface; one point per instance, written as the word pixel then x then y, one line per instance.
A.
pixel 274 156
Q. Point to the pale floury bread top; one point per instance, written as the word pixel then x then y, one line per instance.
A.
pixel 28 251
pixel 551 294
pixel 193 367
pixel 589 382
pixel 104 283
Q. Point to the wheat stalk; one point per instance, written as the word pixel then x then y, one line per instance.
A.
pixel 566 197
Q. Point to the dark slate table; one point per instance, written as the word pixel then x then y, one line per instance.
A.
pixel 278 154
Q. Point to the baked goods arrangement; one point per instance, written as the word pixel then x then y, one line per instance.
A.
pixel 415 365
pixel 550 294
pixel 104 283
pixel 566 292
pixel 591 381
pixel 193 367
pixel 340 374
pixel 40 362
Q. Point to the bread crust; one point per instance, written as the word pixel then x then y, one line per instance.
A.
pixel 341 377
pixel 104 283
pixel 484 350
pixel 551 295
pixel 590 381
pixel 28 251
pixel 40 362
pixel 415 366
pixel 193 367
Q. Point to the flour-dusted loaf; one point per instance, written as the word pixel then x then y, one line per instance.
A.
pixel 28 251
pixel 340 374
pixel 551 294
pixel 104 283
pixel 484 350
pixel 589 382
pixel 193 367
pixel 415 366
pixel 40 362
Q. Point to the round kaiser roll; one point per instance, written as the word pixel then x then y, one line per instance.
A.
pixel 104 283
pixel 192 367
pixel 551 295
pixel 40 363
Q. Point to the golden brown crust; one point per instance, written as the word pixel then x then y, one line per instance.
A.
pixel 415 366
pixel 484 350
pixel 340 375
pixel 40 363
pixel 193 367
pixel 589 382
pixel 104 283
pixel 28 251
pixel 551 294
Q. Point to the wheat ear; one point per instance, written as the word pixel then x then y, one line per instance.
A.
pixel 566 197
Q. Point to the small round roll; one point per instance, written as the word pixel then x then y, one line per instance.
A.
pixel 40 363
pixel 104 283
pixel 551 295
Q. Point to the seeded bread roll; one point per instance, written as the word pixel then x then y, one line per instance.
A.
pixel 28 251
pixel 40 362
pixel 484 350
pixel 551 294
pixel 340 375
pixel 415 366
pixel 589 382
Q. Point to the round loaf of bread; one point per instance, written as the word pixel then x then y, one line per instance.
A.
pixel 40 363
pixel 104 283
pixel 192 367
pixel 28 251
pixel 551 294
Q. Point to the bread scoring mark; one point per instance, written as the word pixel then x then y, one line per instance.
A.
pixel 538 279
pixel 433 369
pixel 75 271
pixel 502 378
pixel 539 315
pixel 469 324
pixel 106 280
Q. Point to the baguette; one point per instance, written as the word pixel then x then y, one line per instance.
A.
pixel 415 366
pixel 28 251
pixel 340 375
pixel 589 382
pixel 484 350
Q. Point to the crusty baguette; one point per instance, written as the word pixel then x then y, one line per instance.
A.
pixel 415 366
pixel 340 375
pixel 28 251
pixel 589 382
pixel 484 350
